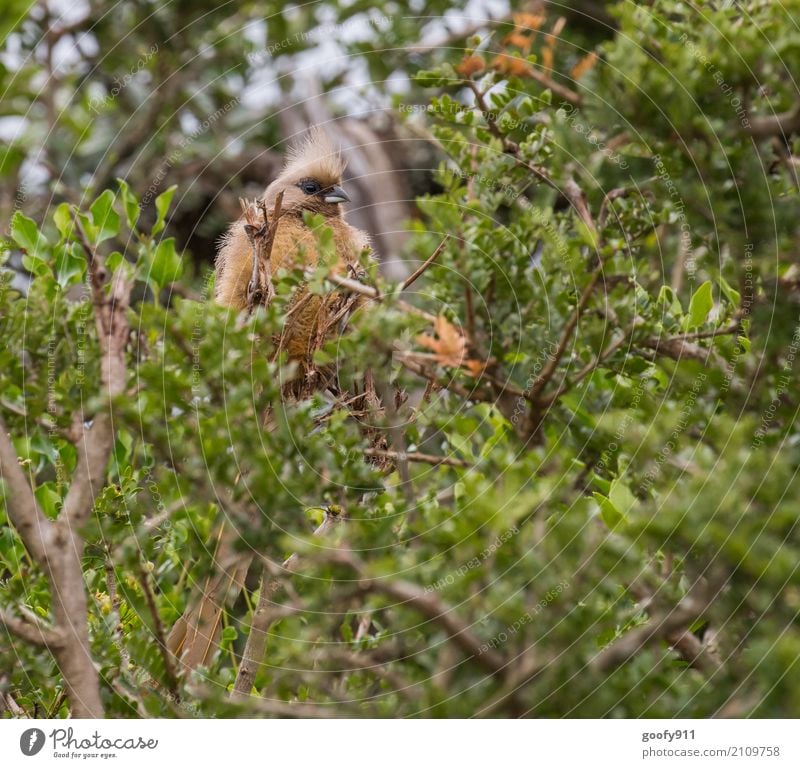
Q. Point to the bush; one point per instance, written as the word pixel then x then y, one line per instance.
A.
pixel 587 504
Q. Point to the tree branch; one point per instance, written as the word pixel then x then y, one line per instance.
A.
pixel 33 527
pixel 783 124
pixel 264 616
pixel 30 633
pixel 412 278
pixel 423 458
pixel 158 628
pixel 566 334
pixel 432 608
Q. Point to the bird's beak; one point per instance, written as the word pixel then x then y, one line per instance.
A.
pixel 336 195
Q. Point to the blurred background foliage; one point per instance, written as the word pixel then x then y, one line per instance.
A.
pixel 616 533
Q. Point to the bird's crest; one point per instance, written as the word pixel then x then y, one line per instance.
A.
pixel 313 157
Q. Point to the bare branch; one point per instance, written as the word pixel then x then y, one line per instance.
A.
pixel 8 703
pixel 669 625
pixel 782 125
pixel 30 633
pixel 432 608
pixel 34 528
pixel 412 278
pixel 158 628
pixel 264 616
pixel 111 320
pixel 262 238
pixel 423 458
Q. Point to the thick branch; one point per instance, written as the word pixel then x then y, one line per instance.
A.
pixel 668 625
pixel 30 633
pixel 34 528
pixel 783 124
pixel 111 320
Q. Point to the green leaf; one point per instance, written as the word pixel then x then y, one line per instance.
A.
pixel 70 264
pixel 610 514
pixel 621 497
pixel 669 299
pixel 129 203
pixel 615 507
pixel 49 499
pixel 166 266
pixel 430 78
pixel 586 233
pixel 88 227
pixel 105 218
pixel 162 206
pixel 733 296
pixel 700 305
pixel 62 217
pixel 27 235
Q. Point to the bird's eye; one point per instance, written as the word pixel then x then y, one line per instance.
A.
pixel 310 187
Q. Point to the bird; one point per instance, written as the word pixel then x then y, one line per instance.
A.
pixel 310 182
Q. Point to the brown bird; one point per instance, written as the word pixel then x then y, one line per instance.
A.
pixel 311 181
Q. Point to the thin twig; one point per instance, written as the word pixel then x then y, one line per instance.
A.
pixel 416 274
pixel 508 146
pixel 589 368
pixel 260 289
pixel 560 90
pixel 264 617
pixel 111 584
pixel 422 458
pixel 566 334
pixel 431 607
pixel 158 627
pixel 397 440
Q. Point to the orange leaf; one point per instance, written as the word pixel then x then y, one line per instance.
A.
pixel 547 58
pixel 511 65
pixel 475 367
pixel 523 42
pixel 528 20
pixel 584 65
pixel 471 65
pixel 450 347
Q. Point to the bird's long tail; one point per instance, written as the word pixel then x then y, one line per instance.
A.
pixel 195 636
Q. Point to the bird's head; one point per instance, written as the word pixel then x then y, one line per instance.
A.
pixel 311 180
